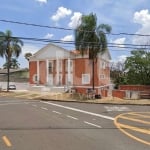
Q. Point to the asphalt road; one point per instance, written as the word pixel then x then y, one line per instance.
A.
pixel 38 125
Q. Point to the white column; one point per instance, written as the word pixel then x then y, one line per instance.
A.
pixel 57 71
pixel 47 71
pixel 69 70
pixel 38 71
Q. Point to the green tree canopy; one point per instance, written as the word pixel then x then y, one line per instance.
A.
pixel 12 65
pixel 91 37
pixel 27 55
pixel 138 67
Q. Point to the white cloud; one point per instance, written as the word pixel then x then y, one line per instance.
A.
pixel 119 41
pixel 29 49
pixel 75 20
pixel 143 18
pixel 62 12
pixel 67 38
pixel 42 1
pixel 48 36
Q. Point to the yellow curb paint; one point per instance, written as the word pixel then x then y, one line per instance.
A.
pixel 6 141
pixel 136 120
pixel 134 128
pixel 119 126
pixel 143 116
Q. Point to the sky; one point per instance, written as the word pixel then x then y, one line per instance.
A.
pixel 124 16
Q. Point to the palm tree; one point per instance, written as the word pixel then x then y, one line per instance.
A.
pixel 13 64
pixel 9 47
pixel 91 38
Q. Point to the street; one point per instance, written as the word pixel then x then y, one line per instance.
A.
pixel 41 125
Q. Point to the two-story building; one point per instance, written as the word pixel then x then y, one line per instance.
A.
pixel 55 66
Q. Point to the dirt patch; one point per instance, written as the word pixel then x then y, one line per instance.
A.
pixel 70 97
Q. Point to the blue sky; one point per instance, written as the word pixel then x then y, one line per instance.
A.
pixel 124 16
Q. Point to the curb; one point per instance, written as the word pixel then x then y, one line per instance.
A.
pixel 76 101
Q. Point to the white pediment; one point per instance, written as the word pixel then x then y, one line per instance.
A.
pixel 51 51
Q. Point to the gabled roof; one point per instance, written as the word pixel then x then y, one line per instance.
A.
pixel 47 46
pixel 51 51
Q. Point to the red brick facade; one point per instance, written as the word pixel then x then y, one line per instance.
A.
pixel 135 87
pixel 55 66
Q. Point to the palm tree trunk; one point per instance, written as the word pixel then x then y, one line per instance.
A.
pixel 8 59
pixel 93 74
pixel 8 72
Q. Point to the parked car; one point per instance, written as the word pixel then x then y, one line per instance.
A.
pixel 12 87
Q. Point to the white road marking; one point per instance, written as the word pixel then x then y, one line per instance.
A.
pixel 72 117
pixel 44 108
pixel 11 104
pixel 92 124
pixel 11 101
pixel 57 112
pixel 116 108
pixel 34 105
pixel 79 110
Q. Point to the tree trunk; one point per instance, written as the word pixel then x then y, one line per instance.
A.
pixel 8 72
pixel 8 65
pixel 93 74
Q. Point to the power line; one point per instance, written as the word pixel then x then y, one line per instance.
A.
pixel 69 29
pixel 72 47
pixel 73 42
pixel 112 45
pixel 35 25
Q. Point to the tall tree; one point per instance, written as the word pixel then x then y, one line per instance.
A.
pixel 138 67
pixel 13 64
pixel 9 47
pixel 91 38
pixel 27 56
pixel 118 73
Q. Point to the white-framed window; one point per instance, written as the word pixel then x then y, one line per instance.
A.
pixel 71 79
pixel 102 64
pixel 66 65
pixel 60 79
pixel 50 67
pixel 102 76
pixel 60 65
pixel 85 78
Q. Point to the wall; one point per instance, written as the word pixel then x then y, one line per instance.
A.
pixel 32 71
pixel 84 66
pixel 134 87
pixel 118 93
pixel 42 72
